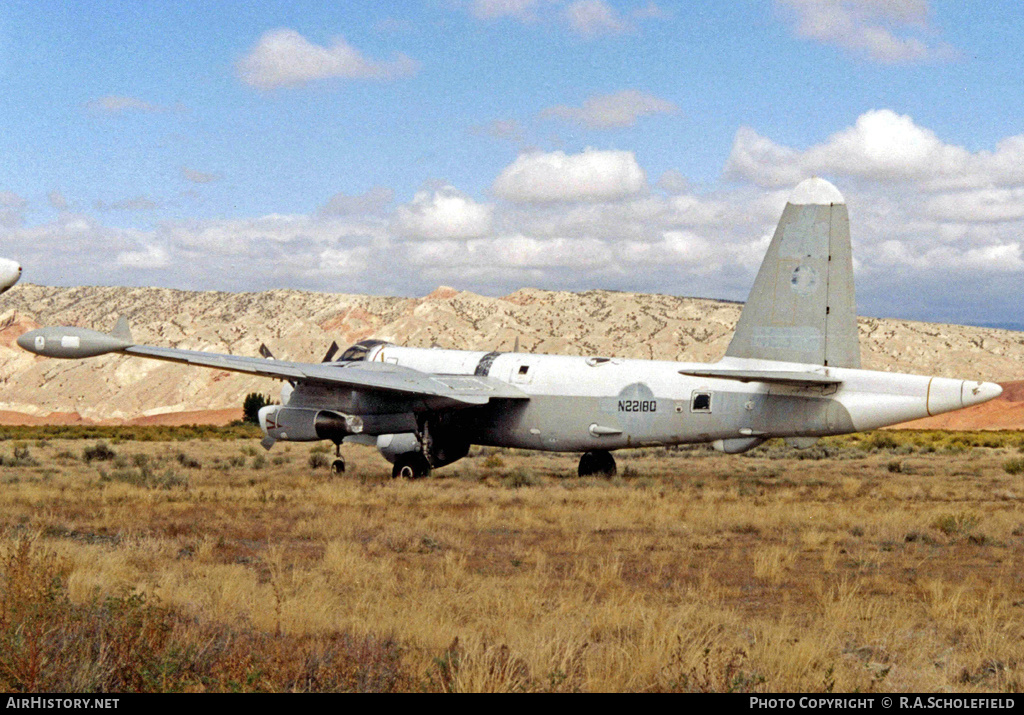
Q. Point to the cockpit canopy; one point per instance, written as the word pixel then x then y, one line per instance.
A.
pixel 360 350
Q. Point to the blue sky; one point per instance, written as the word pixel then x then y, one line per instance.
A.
pixel 490 145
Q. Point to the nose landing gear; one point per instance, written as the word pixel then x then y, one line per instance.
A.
pixel 338 465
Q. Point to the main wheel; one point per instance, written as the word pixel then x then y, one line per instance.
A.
pixel 599 463
pixel 338 466
pixel 411 465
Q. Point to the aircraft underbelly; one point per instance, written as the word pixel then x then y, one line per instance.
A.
pixel 575 423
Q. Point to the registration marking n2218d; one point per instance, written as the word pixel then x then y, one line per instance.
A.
pixel 638 405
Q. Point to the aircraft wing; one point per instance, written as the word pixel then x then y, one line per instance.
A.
pixel 779 377
pixel 441 389
pixel 385 377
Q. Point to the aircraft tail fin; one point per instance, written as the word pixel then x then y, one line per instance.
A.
pixel 121 330
pixel 801 308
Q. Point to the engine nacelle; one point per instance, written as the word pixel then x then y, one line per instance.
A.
pixel 442 451
pixel 392 445
pixel 295 424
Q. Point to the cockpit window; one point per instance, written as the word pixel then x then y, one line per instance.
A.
pixel 359 351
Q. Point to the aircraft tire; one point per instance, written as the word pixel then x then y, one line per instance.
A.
pixel 338 466
pixel 412 465
pixel 599 463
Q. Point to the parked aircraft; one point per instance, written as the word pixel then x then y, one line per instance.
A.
pixel 10 272
pixel 792 370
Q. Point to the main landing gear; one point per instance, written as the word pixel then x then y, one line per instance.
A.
pixel 599 463
pixel 411 465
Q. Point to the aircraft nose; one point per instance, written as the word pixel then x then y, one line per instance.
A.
pixel 974 393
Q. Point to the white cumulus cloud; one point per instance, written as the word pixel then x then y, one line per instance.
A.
pixel 284 58
pixel 556 176
pixel 981 205
pixel 881 146
pixel 148 257
pixel 445 213
pixel 885 31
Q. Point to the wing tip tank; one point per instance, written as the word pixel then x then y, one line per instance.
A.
pixel 70 343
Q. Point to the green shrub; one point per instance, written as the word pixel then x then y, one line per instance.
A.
pixel 1014 466
pixel 188 462
pixel 494 461
pixel 100 451
pixel 954 524
pixel 519 477
pixel 252 405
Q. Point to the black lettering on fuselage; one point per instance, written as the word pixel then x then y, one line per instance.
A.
pixel 638 405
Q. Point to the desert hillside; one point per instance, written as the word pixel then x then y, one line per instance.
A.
pixel 298 325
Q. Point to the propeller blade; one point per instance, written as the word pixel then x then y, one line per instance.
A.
pixel 265 352
pixel 330 352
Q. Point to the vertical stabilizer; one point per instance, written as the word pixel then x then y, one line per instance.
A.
pixel 121 330
pixel 801 308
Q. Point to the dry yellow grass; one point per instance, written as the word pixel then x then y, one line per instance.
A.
pixel 885 568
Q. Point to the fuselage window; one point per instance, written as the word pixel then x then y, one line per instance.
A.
pixel 523 369
pixel 700 402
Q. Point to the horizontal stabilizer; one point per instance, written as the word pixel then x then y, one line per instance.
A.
pixel 777 377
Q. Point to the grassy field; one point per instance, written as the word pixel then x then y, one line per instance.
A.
pixel 194 560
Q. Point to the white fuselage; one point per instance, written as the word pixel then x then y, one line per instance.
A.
pixel 588 403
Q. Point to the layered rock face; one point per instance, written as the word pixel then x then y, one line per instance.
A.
pixel 300 326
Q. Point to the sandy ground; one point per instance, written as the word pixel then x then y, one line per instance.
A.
pixel 172 419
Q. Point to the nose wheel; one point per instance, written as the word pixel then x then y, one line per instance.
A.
pixel 599 463
pixel 338 465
